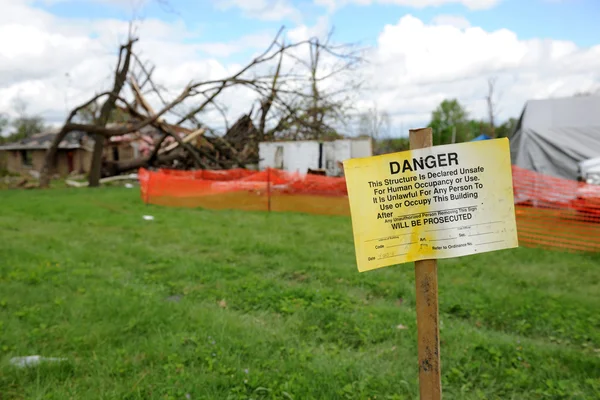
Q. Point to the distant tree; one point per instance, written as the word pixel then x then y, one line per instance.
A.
pixel 492 107
pixel 4 122
pixel 318 110
pixel 391 145
pixel 481 127
pixel 25 125
pixel 450 115
pixel 374 123
pixel 478 127
pixel 91 113
pixel 507 128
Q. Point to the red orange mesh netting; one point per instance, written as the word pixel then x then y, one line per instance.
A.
pixel 271 189
pixel 555 212
pixel 551 212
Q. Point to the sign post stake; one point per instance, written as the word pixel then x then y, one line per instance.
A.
pixel 426 281
pixel 269 189
pixel 426 204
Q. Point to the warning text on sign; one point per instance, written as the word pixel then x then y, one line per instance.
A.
pixel 439 202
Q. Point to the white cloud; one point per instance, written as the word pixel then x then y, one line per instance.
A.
pixel 457 21
pixel 267 10
pixel 470 4
pixel 304 32
pixel 416 65
pixel 54 64
pixel 219 49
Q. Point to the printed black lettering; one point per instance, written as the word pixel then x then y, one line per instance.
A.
pixel 452 159
pixel 404 179
pixel 394 189
pixel 430 162
pixel 447 218
pixel 418 164
pixel 442 160
pixel 464 171
pixel 400 225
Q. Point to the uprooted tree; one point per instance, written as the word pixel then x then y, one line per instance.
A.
pixel 298 87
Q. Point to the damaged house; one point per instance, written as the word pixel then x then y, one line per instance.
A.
pixel 73 156
pixel 74 153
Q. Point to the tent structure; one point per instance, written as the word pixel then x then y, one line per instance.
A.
pixel 483 136
pixel 554 135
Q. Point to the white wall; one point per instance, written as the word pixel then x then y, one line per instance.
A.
pixel 333 152
pixel 299 156
pixel 361 148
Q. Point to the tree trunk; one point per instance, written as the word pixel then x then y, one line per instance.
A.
pixel 96 167
pixel 46 171
pixel 106 111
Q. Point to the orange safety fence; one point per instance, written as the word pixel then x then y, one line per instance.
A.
pixel 555 212
pixel 551 212
pixel 268 190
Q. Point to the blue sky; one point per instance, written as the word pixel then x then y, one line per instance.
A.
pixel 63 51
pixel 573 20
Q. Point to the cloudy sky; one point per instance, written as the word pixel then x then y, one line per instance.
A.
pixel 56 53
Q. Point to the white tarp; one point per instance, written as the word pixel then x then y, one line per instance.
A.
pixel 553 136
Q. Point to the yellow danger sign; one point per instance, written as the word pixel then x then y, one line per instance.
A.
pixel 438 202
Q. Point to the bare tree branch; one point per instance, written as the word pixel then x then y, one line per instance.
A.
pixel 293 102
pixel 491 105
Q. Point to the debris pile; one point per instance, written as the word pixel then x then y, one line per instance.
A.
pixel 193 149
pixel 238 148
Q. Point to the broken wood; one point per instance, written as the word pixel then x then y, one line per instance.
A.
pixel 186 139
pixel 72 183
pixel 285 110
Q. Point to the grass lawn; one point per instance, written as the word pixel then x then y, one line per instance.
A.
pixel 201 304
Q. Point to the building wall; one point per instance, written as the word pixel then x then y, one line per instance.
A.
pixel 293 156
pixel 125 150
pixel 13 161
pixel 333 152
pixel 38 156
pixel 84 161
pixel 81 161
pixel 3 160
pixel 299 156
pixel 361 148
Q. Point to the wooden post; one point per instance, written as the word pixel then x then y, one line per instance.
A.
pixel 428 332
pixel 269 189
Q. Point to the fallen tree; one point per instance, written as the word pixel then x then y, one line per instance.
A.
pixel 284 105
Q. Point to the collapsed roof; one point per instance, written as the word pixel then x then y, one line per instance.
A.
pixel 42 141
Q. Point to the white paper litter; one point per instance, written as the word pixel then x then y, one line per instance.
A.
pixel 31 361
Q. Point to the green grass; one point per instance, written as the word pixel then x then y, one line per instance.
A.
pixel 207 304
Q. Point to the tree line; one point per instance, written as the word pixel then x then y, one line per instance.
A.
pixel 450 123
pixel 21 127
